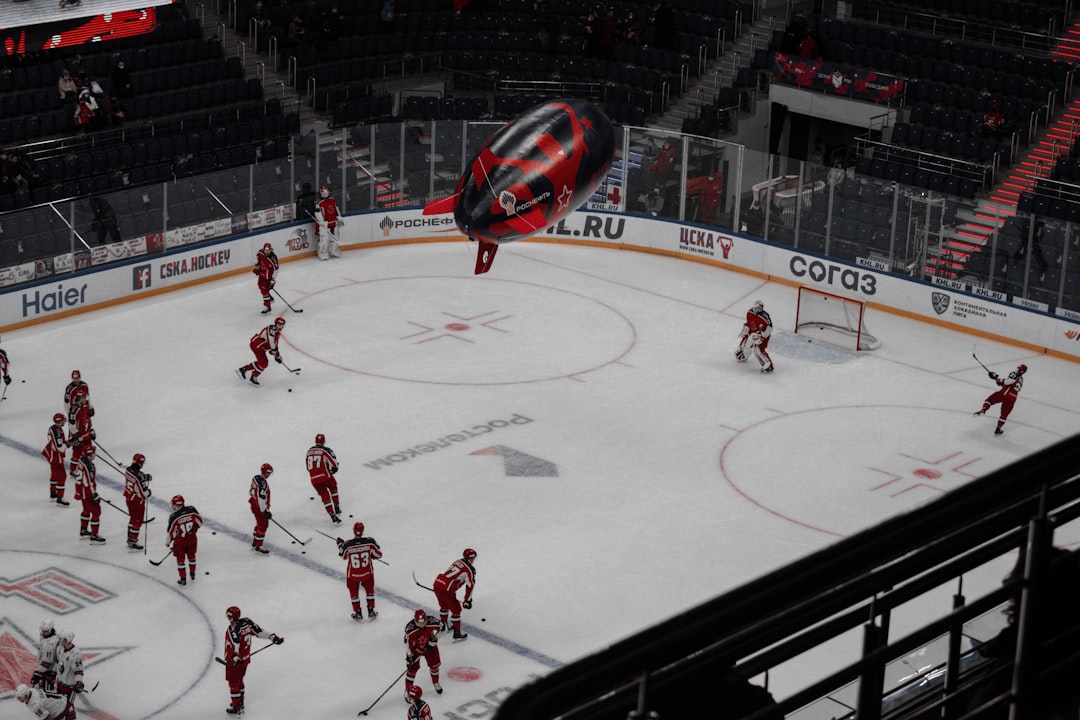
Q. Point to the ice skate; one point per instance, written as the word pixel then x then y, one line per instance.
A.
pixel 242 372
pixel 62 502
pixel 260 550
pixel 134 546
pixel 95 538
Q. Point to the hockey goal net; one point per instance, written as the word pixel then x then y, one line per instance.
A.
pixel 833 319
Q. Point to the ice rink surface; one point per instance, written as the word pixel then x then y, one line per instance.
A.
pixel 576 416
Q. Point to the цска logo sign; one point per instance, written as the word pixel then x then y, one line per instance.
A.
pixel 940 301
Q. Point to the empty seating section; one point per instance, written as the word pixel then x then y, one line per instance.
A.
pixel 508 41
pixel 1001 21
pixel 952 84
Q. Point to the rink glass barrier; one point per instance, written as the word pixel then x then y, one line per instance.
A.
pixel 882 225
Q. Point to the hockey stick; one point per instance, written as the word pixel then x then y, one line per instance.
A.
pixel 3 395
pixel 295 371
pixel 274 290
pixel 84 690
pixel 120 509
pixel 156 564
pixel 365 710
pixel 335 540
pixel 302 542
pixel 116 462
pixel 419 585
pixel 253 652
pixel 978 360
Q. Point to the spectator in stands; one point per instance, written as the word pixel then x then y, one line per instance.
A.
pixel 808 47
pixel 296 31
pixel 22 164
pixel 82 79
pixel 608 27
pixel 121 80
pixel 630 28
pixel 104 222
pixel 69 91
pixel 330 25
pixel 547 25
pixel 654 201
pixel 993 122
pixel 663 25
pixel 114 107
pixel 85 113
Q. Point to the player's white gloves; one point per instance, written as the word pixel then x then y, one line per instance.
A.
pixel 755 338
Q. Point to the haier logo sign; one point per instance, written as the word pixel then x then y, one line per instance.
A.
pixel 140 277
pixel 52 300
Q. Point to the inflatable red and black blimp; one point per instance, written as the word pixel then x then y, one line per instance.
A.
pixel 534 171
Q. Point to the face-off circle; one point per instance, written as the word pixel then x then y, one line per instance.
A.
pixel 456 331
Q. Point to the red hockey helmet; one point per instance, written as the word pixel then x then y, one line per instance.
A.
pixel 469 554
pixel 76 375
pixel 233 613
pixel 358 529
pixel 758 305
pixel 267 248
pixel 58 418
pixel 139 459
pixel 177 502
pixel 324 191
pixel 320 439
pixel 414 692
pixel 267 468
pixel 280 322
pixel 1021 369
pixel 420 616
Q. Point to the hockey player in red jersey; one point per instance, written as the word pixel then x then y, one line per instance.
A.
pixel 238 655
pixel 461 573
pixel 75 389
pixel 82 436
pixel 321 466
pixel 418 708
pixel 5 366
pixel 421 640
pixel 755 337
pixel 1009 389
pixel 265 268
pixel 184 523
pixel 86 491
pixel 136 490
pixel 263 342
pixel 327 223
pixel 259 500
pixel 55 452
pixel 360 554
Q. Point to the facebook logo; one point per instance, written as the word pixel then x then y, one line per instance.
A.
pixel 140 277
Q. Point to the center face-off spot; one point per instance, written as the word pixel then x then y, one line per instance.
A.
pixel 493 332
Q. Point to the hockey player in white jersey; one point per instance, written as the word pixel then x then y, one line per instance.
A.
pixel 45 706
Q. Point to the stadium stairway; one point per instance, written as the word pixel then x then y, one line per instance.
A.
pixel 275 84
pixel 979 226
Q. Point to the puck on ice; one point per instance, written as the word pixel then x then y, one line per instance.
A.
pixel 213 532
pixel 207 572
pixel 22 381
pixel 483 619
pixel 303 552
pixel 290 389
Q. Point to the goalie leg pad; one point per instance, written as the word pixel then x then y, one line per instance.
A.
pixel 763 357
pixel 323 247
pixel 332 245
